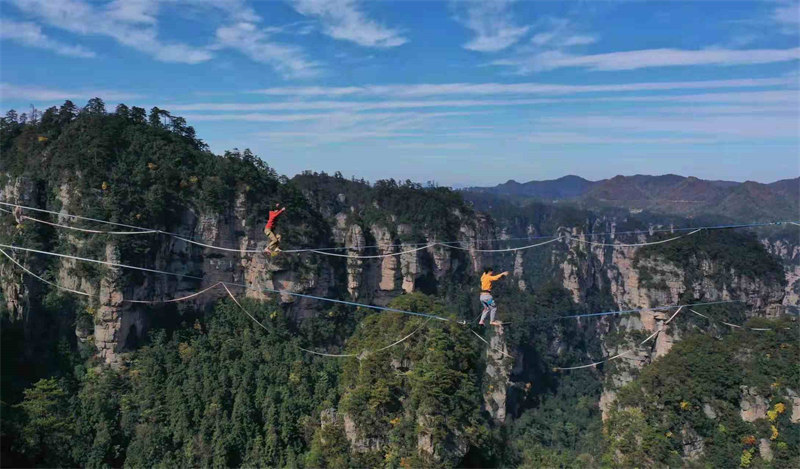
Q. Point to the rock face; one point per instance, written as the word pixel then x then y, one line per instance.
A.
pixel 498 369
pixel 358 443
pixel 752 405
pixel 454 448
pixel 17 293
pixel 648 282
pixel 118 326
pixel 789 253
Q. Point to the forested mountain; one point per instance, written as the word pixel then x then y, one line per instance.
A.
pixel 98 378
pixel 668 194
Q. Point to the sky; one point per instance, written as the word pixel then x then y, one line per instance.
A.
pixel 460 93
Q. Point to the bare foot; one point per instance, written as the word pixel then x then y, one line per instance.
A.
pixel 496 323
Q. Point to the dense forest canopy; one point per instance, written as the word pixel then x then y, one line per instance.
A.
pixel 210 387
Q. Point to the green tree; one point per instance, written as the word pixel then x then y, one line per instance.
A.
pixel 48 425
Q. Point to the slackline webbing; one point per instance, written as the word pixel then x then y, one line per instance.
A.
pixel 352 255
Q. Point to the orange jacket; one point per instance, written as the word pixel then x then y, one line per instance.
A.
pixel 486 281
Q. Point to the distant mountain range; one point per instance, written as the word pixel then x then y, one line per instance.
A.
pixel 673 194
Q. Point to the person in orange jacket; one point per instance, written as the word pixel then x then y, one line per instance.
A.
pixel 489 306
pixel 273 247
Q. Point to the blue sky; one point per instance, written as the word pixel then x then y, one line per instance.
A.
pixel 462 93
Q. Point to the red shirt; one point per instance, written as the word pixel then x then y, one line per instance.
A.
pixel 273 214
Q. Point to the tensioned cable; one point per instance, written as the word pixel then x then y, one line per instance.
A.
pixel 430 316
pixel 625 245
pixel 210 246
pixel 203 291
pixel 61 287
pixel 381 349
pixel 40 278
pixel 76 216
pixel 490 345
pixel 369 257
pixel 173 300
pixel 25 217
pixel 734 326
pixel 654 308
pixel 358 355
pixel 350 255
pixel 300 295
pixel 348 355
pixel 242 308
pixel 590 365
pixel 619 355
pixel 502 250
pixel 443 243
pixel 349 303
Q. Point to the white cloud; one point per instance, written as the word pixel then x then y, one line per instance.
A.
pixel 785 97
pixel 248 39
pixel 129 23
pixel 648 58
pixel 253 117
pixel 578 40
pixel 724 126
pixel 344 20
pixel 133 11
pixel 432 146
pixel 338 117
pixel 759 101
pixel 352 105
pixel 133 23
pixel 493 24
pixel 347 126
pixel 575 138
pixel 39 94
pixel 558 33
pixel 30 34
pixel 450 89
pixel 788 15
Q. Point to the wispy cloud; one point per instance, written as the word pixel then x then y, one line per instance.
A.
pixel 130 23
pixel 40 94
pixel 134 23
pixel 787 14
pixel 353 105
pixel 758 101
pixel 453 89
pixel 787 97
pixel 725 126
pixel 344 20
pixel 30 34
pixel 560 33
pixel 492 22
pixel 432 146
pixel 258 117
pixel 347 126
pixel 575 138
pixel 339 117
pixel 254 43
pixel 648 58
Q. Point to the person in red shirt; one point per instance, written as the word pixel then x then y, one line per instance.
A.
pixel 274 240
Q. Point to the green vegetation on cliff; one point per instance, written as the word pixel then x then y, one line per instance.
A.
pixel 692 400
